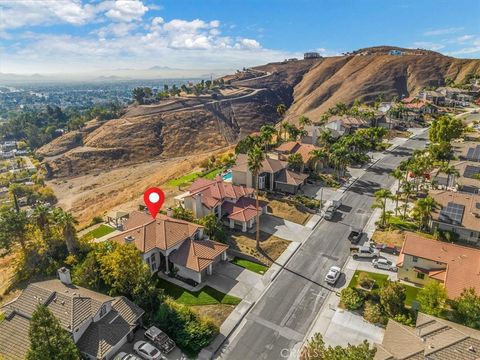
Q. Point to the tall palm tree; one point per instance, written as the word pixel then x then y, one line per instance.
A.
pixel 281 109
pixel 381 197
pixel 267 133
pixel 42 216
pixel 450 171
pixel 407 190
pixel 255 159
pixel 67 223
pixel 422 211
pixel 284 127
pixel 318 156
pixel 399 176
pixel 303 121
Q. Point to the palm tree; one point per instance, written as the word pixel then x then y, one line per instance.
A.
pixel 67 223
pixel 449 170
pixel 281 109
pixel 381 197
pixel 293 132
pixel 423 209
pixel 318 156
pixel 255 159
pixel 42 217
pixel 398 174
pixel 303 121
pixel 267 132
pixel 407 189
pixel 285 126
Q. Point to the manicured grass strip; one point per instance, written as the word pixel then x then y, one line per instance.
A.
pixel 250 265
pixel 213 174
pixel 102 230
pixel 183 179
pixel 206 296
pixel 380 279
pixel 402 224
pixel 411 292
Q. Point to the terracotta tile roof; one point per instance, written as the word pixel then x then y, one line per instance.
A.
pixel 197 255
pixel 295 147
pixel 471 215
pixel 433 339
pixel 269 165
pixel 162 232
pixel 243 209
pixel 459 261
pixel 214 192
pixel 347 120
pixel 291 177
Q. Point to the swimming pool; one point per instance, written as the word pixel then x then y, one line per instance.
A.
pixel 228 176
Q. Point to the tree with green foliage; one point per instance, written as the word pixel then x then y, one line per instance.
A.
pixel 467 308
pixel 372 312
pixel 48 340
pixel 67 222
pixel 422 211
pixel 392 298
pixel 213 227
pixel 295 161
pixel 266 134
pixel 244 145
pixel 255 160
pixel 381 197
pixel 281 109
pixel 304 121
pixel 179 212
pixel 352 299
pixel 315 349
pixel 318 156
pixel 14 228
pixel 432 298
pixel 445 129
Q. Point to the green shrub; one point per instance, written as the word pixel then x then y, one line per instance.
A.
pixel 351 299
pixel 372 312
pixel 365 281
pixel 96 220
pixel 190 332
pixel 407 318
pixel 308 202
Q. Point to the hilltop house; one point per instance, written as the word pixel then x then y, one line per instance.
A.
pixel 431 339
pixel 422 260
pixel 345 124
pixel 467 181
pixel 167 243
pixel 274 175
pixel 435 97
pixel 99 324
pixel 459 213
pixel 294 147
pixel 229 201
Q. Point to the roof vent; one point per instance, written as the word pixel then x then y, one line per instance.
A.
pixel 471 348
pixel 63 302
pixel 129 238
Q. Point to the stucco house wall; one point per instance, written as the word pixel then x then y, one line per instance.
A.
pixel 406 271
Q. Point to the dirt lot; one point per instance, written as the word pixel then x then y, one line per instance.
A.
pixel 6 273
pixel 246 243
pixel 122 188
pixel 217 313
pixel 286 211
pixel 389 237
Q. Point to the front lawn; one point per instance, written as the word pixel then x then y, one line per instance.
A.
pixel 380 279
pixel 411 292
pixel 205 296
pixel 183 179
pixel 100 231
pixel 250 265
pixel 213 174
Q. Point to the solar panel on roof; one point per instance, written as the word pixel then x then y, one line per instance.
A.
pixel 471 171
pixel 473 154
pixel 452 213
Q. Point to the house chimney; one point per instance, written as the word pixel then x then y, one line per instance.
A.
pixel 170 212
pixel 64 275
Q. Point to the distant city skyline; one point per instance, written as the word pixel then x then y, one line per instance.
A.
pixel 105 36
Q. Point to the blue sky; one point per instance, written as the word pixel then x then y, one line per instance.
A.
pixel 65 36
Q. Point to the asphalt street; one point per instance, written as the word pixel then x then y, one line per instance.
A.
pixel 282 316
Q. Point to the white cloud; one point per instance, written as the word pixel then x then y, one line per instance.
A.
pixel 125 10
pixel 445 31
pixel 428 45
pixel 248 44
pixel 464 38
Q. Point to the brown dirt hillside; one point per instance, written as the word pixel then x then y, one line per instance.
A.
pixel 346 78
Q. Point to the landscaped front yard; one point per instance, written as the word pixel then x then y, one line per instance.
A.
pixel 286 211
pixel 190 178
pixel 271 245
pixel 100 231
pixel 380 279
pixel 250 265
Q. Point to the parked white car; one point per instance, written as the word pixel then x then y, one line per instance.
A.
pixel 384 264
pixel 147 351
pixel 125 356
pixel 333 275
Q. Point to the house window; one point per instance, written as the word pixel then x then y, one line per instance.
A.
pixel 153 262
pixel 415 258
pixel 420 276
pixel 103 310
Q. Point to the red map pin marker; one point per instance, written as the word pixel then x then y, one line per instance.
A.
pixel 154 198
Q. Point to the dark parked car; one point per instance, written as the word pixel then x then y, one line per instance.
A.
pixel 355 236
pixel 160 339
pixel 389 249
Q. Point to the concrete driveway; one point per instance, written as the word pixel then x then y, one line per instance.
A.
pixel 283 228
pixel 234 280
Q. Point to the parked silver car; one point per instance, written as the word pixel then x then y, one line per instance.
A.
pixel 125 356
pixel 333 275
pixel 384 264
pixel 147 351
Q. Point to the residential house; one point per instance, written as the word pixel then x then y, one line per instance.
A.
pixel 459 213
pixel 422 260
pixel 468 179
pixel 395 52
pixel 467 150
pixel 167 244
pixel 274 175
pixel 431 339
pixel 294 147
pixel 313 132
pixel 99 324
pixel 311 55
pixel 229 201
pixel 345 124
pixel 435 97
pixel 418 108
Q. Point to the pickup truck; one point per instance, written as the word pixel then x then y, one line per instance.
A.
pixel 355 236
pixel 331 206
pixel 364 252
